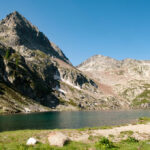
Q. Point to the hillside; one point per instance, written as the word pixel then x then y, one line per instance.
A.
pixel 38 72
pixel 35 75
pixel 126 80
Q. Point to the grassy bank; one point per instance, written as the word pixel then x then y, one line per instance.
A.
pixel 16 140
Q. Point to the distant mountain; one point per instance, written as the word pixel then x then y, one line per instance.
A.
pixel 35 75
pixel 127 81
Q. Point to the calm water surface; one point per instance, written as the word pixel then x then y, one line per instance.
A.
pixel 62 120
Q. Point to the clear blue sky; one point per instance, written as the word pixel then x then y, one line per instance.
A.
pixel 83 28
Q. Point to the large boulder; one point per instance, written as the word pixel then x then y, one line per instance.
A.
pixel 57 139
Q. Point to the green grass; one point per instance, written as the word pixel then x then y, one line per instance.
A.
pixel 129 133
pixel 16 140
pixel 40 146
pixel 79 146
pixel 131 140
pixel 101 145
pixel 137 102
pixel 125 145
pixel 143 120
pixel 143 98
pixel 105 143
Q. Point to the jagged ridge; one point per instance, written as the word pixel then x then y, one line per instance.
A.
pixel 24 33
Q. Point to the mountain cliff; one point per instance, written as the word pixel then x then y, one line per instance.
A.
pixel 35 75
pixel 126 81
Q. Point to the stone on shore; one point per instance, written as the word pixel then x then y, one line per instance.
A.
pixel 57 139
pixel 31 141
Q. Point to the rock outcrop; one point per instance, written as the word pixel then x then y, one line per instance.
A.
pixel 38 72
pixel 35 75
pixel 127 81
pixel 57 139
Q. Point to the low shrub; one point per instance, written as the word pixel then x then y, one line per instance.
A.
pixel 131 140
pixel 104 144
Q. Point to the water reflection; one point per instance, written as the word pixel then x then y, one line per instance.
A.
pixel 53 120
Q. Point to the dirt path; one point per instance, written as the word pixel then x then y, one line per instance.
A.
pixel 139 131
pixel 140 128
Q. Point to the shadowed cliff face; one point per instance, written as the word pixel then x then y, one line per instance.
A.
pixel 15 30
pixel 17 75
pixel 1 68
pixel 38 71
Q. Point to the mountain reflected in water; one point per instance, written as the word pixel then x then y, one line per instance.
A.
pixel 72 120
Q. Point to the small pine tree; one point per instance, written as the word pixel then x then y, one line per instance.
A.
pixel 7 54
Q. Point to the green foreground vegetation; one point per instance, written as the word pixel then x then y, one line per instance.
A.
pixel 16 140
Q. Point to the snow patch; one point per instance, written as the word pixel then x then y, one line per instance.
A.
pixel 68 82
pixel 60 90
pixel 27 109
pixel 58 77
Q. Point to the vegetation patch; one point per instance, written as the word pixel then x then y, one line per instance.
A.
pixel 17 140
pixel 121 72
pixel 127 132
pixel 40 54
pixel 143 120
pixel 143 98
pixel 71 102
pixel 7 54
pixel 131 140
pixel 62 101
pixel 104 144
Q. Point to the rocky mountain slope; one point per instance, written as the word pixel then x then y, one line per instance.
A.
pixel 126 81
pixel 35 75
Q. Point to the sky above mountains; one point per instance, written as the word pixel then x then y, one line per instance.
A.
pixel 83 28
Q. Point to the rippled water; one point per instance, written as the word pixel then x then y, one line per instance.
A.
pixel 61 120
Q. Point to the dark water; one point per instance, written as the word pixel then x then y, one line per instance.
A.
pixel 61 120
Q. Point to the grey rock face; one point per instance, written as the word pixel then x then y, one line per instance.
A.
pixel 15 30
pixel 128 80
pixel 36 68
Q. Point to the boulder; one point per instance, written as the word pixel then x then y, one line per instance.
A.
pixel 57 139
pixel 31 141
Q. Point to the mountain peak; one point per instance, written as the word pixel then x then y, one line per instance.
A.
pixel 16 30
pixel 99 60
pixel 15 19
pixel 15 13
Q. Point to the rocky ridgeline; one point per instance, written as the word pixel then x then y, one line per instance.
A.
pixel 126 81
pixel 35 75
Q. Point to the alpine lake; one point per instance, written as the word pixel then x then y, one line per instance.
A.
pixel 69 120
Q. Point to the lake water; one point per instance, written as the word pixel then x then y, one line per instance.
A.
pixel 62 120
